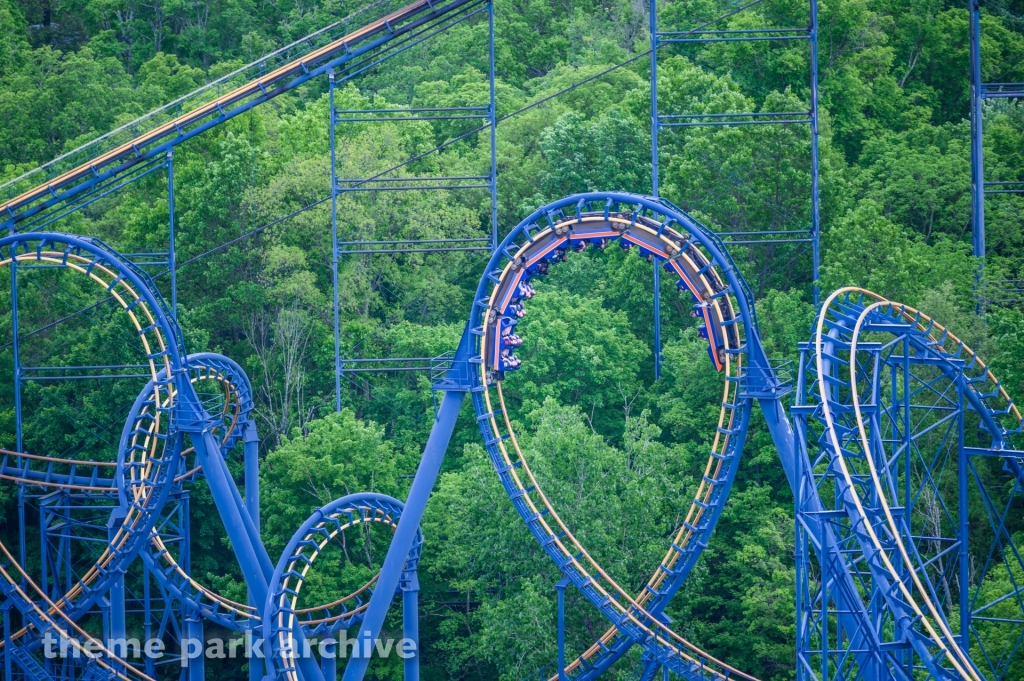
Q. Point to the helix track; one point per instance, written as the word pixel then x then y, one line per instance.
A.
pixel 142 425
pixel 152 466
pixel 306 544
pixel 891 397
pixel 838 406
pixel 143 434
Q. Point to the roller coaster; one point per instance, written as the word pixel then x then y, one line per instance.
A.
pixel 895 437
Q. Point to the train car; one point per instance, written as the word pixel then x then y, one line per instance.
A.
pixel 653 240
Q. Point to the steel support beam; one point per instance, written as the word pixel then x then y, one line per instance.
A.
pixel 815 162
pixel 411 623
pixel 172 257
pixel 655 122
pixel 977 151
pixel 334 246
pixel 493 116
pixel 560 588
pixel 415 505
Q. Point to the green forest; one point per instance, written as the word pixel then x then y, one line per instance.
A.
pixel 619 452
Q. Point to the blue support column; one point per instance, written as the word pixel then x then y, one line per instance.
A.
pixel 118 629
pixel 815 189
pixel 8 643
pixel 243 534
pixel 560 588
pixel 245 520
pixel 653 20
pixel 252 474
pixel 411 623
pixel 422 484
pixel 44 558
pixel 977 153
pixel 65 541
pixel 172 258
pixel 251 554
pixel 823 615
pixel 196 665
pixel 257 668
pixel 104 607
pixel 18 433
pixel 184 523
pixel 16 354
pixel 965 574
pixel 908 456
pixel 654 179
pixel 334 250
pixel 147 621
pixel 801 563
pixel 252 503
pixel 329 660
pixel 657 317
pixel 494 127
pixel 21 529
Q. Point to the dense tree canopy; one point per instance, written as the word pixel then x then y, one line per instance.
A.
pixel 619 453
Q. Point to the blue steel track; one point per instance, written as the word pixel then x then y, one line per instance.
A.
pixel 889 411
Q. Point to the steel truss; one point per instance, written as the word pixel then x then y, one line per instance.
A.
pixel 704 34
pixel 667 237
pixel 1006 291
pixel 97 516
pixel 74 522
pixel 386 181
pixel 910 466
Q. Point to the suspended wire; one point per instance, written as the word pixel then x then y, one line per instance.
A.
pixel 55 323
pixel 1002 9
pixel 166 271
pixel 244 237
pixel 74 449
pixel 195 93
pixel 42 394
pixel 738 180
pixel 127 337
pixel 548 98
pixel 413 159
pixel 378 334
pixel 768 273
pixel 771 203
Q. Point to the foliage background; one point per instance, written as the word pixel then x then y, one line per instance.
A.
pixel 620 453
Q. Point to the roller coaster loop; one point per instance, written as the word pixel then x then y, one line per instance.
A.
pixel 902 463
pixel 901 447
